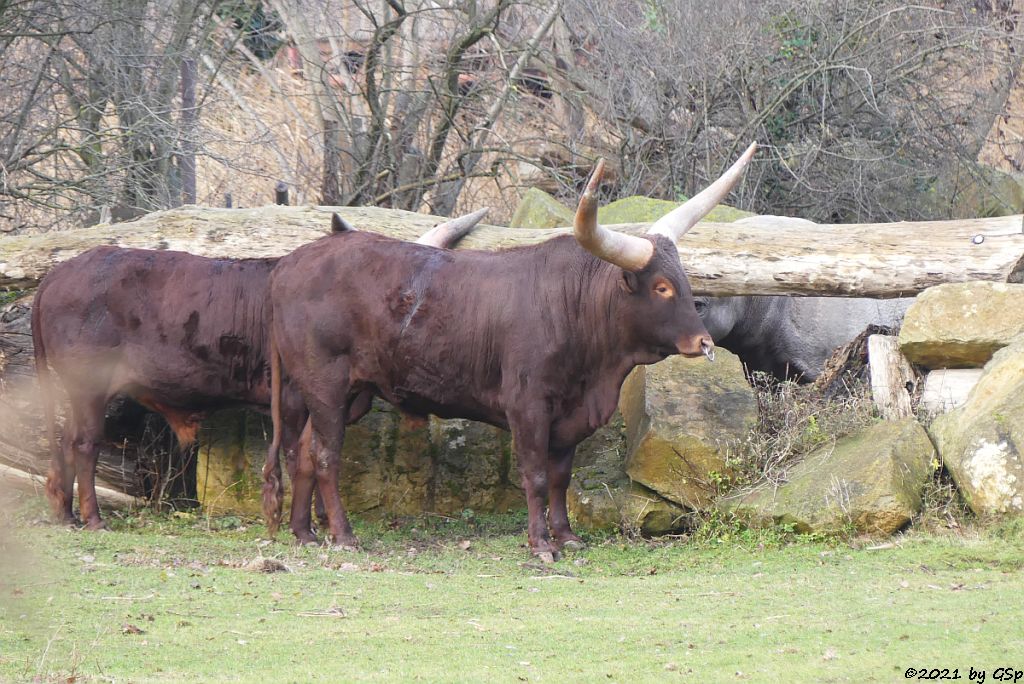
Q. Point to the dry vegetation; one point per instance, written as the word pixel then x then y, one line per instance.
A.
pixel 863 108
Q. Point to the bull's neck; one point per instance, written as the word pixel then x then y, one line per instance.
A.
pixel 599 325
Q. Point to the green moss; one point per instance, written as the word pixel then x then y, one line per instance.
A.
pixel 538 209
pixel 639 209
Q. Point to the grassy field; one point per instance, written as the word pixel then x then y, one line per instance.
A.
pixel 189 599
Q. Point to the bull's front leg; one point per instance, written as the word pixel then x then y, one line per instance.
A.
pixel 559 473
pixel 530 431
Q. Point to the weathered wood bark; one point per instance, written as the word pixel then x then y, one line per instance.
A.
pixel 16 478
pixel 869 260
pixel 892 377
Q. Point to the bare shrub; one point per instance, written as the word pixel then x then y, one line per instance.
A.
pixel 794 420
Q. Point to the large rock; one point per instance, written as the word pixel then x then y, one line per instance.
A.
pixel 682 415
pixel 640 209
pixel 980 443
pixel 602 497
pixel 960 325
pixel 390 465
pixel 872 480
pixel 538 209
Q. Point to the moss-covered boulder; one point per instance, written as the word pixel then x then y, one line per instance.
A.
pixel 639 209
pixel 682 415
pixel 227 479
pixel 871 481
pixel 538 209
pixel 601 497
pixel 960 325
pixel 980 443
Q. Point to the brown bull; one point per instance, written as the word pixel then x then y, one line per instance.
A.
pixel 181 334
pixel 537 340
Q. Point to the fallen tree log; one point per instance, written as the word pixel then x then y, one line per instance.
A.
pixel 757 257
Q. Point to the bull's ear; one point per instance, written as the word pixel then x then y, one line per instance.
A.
pixel 340 225
pixel 630 283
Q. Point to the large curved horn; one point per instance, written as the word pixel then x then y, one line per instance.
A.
pixel 448 233
pixel 626 251
pixel 674 224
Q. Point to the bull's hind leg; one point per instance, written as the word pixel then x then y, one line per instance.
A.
pixel 303 476
pixel 328 406
pixel 559 474
pixel 84 442
pixel 358 406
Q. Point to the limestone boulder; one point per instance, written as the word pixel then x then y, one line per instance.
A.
pixel 960 325
pixel 601 497
pixel 682 415
pixel 639 209
pixel 980 443
pixel 871 480
pixel 538 209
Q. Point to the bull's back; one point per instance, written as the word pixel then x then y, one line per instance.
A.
pixel 186 329
pixel 427 329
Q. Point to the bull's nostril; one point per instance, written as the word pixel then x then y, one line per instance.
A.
pixel 708 347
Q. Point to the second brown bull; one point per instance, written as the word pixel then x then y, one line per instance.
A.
pixel 536 340
pixel 181 334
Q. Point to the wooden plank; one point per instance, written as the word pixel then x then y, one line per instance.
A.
pixel 946 389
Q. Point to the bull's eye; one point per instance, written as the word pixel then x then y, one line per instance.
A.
pixel 663 289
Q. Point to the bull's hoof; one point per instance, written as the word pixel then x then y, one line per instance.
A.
pixel 97 526
pixel 306 538
pixel 547 556
pixel 69 521
pixel 345 544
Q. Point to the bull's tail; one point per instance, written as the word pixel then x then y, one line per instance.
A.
pixel 273 496
pixel 55 485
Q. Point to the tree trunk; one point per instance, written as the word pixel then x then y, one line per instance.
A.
pixel 867 260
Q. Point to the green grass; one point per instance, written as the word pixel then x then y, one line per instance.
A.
pixel 171 599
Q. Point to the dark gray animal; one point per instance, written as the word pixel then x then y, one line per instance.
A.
pixel 792 337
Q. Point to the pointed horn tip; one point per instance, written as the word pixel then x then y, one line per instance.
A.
pixel 595 177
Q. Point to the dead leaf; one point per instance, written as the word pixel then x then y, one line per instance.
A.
pixel 128 628
pixel 465 544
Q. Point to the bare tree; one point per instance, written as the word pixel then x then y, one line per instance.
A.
pixel 862 105
pixel 90 115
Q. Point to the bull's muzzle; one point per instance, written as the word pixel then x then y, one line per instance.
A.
pixel 697 345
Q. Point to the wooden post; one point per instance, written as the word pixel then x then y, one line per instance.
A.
pixel 281 193
pixel 227 200
pixel 892 377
